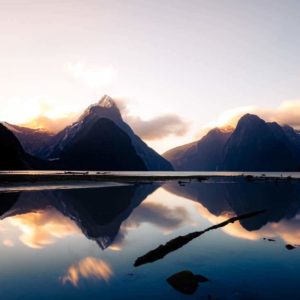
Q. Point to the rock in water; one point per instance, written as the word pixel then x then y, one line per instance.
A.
pixel 186 282
pixel 289 247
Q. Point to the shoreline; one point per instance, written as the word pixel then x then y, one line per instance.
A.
pixel 26 177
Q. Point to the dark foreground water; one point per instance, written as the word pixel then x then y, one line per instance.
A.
pixel 82 243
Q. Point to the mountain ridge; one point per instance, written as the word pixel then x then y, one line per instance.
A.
pixel 254 145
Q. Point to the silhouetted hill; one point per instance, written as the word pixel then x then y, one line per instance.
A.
pixel 258 146
pixel 254 145
pixel 203 155
pixel 32 140
pixel 122 149
pixel 101 146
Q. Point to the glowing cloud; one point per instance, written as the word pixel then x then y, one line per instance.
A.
pixel 88 267
pixel 92 77
pixel 287 113
pixel 39 112
pixel 51 125
pixel 159 127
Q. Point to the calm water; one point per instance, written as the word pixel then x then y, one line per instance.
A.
pixel 82 243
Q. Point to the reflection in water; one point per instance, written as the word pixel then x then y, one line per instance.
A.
pixel 45 216
pixel 218 200
pixel 287 229
pixel 42 228
pixel 89 267
pixel 102 214
pixel 180 241
pixel 152 212
pixel 128 218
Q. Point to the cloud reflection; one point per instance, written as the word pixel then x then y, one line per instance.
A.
pixel 287 230
pixel 88 267
pixel 39 229
pixel 151 211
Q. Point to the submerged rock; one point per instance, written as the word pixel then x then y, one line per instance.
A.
pixel 269 240
pixel 289 247
pixel 186 282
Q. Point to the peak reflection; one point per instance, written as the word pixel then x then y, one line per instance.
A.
pixel 43 217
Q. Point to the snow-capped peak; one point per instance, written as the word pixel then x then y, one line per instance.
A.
pixel 107 102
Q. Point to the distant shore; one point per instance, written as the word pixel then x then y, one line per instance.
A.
pixel 130 176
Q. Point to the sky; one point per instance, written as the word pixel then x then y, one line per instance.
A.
pixel 182 65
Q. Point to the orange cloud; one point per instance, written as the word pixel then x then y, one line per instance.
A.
pixel 287 113
pixel 39 229
pixel 88 267
pixel 159 127
pixel 51 125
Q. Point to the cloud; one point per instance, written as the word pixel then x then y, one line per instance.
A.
pixel 287 113
pixel 93 77
pixel 158 127
pixel 52 125
pixel 54 118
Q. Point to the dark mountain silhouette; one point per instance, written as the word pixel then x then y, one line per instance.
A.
pixel 101 140
pixel 32 140
pixel 254 145
pixel 12 154
pixel 258 146
pixel 203 155
pixel 101 146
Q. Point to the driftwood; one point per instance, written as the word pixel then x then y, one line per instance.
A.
pixel 174 244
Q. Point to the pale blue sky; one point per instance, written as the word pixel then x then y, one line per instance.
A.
pixel 192 58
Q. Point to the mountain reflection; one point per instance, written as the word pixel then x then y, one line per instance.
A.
pixel 106 215
pixel 216 201
pixel 45 216
pixel 152 211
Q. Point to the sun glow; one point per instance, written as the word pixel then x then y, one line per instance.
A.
pixel 39 112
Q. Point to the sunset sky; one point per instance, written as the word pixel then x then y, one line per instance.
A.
pixel 179 65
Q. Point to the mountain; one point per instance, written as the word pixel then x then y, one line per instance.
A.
pixel 32 140
pixel 102 146
pixel 203 155
pixel 12 154
pixel 101 140
pixel 254 145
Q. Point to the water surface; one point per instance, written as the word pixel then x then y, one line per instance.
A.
pixel 82 243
